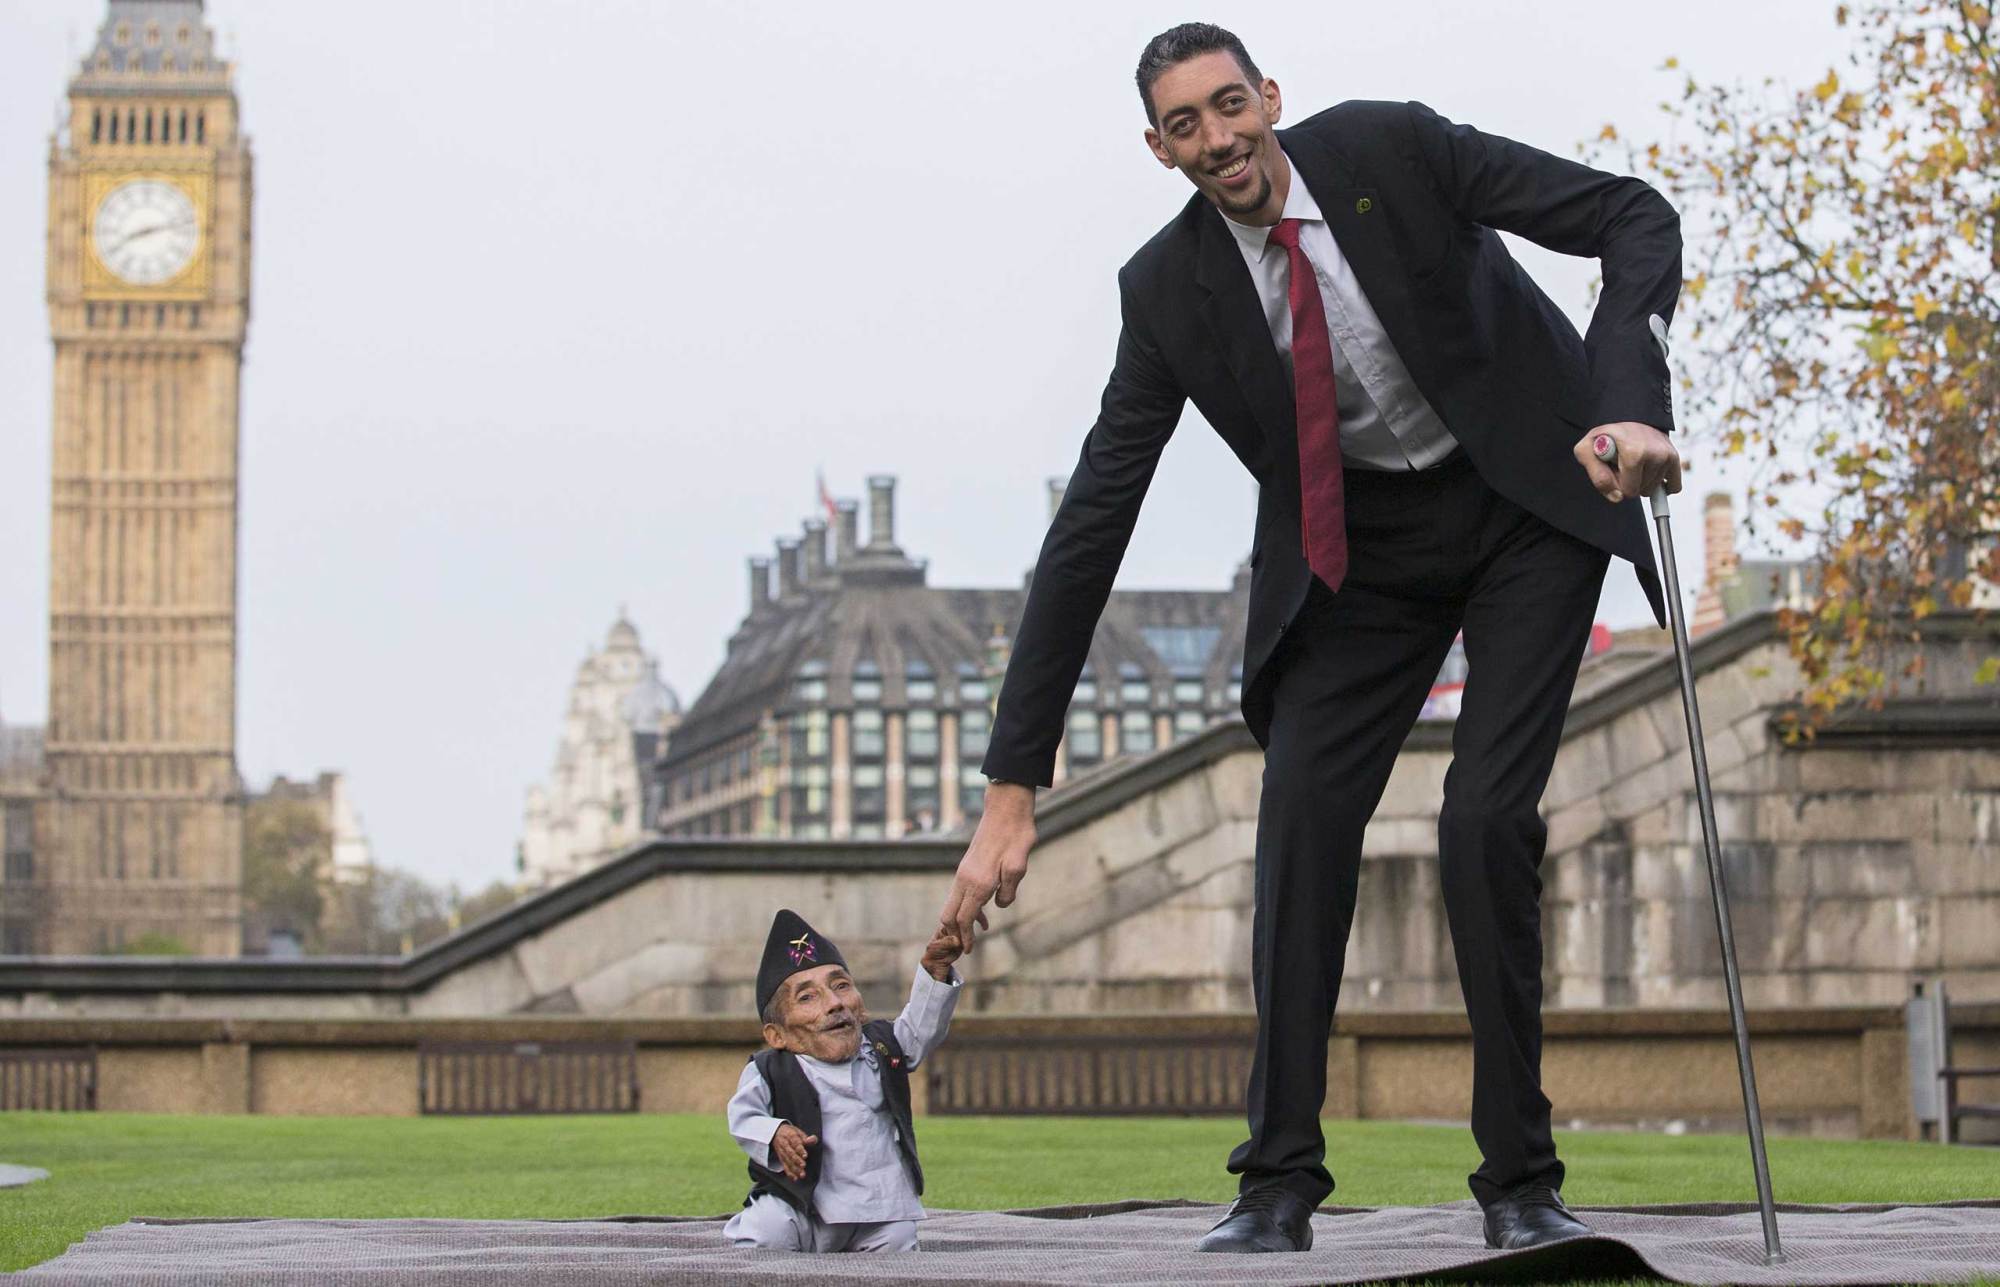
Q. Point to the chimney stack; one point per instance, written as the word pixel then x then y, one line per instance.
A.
pixel 846 530
pixel 882 512
pixel 1718 531
pixel 760 584
pixel 1057 486
pixel 788 569
pixel 814 569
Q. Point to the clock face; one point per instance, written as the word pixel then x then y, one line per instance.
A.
pixel 146 231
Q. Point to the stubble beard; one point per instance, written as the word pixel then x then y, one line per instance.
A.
pixel 1250 204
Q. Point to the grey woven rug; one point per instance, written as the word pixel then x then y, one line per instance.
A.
pixel 1131 1242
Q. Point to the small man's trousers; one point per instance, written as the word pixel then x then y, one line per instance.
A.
pixel 770 1223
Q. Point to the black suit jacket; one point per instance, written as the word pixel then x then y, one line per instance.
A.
pixel 1413 201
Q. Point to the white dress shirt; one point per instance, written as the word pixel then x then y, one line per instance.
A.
pixel 862 1179
pixel 1384 421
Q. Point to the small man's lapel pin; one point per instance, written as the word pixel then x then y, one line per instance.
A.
pixel 1364 205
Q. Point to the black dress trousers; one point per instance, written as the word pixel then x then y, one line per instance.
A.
pixel 1430 552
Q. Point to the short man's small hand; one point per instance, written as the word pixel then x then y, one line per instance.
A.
pixel 1646 461
pixel 940 952
pixel 789 1146
pixel 994 862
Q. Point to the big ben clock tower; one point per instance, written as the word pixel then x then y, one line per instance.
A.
pixel 139 832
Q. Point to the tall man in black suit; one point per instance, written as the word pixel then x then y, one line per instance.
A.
pixel 1337 303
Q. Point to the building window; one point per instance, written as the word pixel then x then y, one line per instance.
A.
pixel 1086 737
pixel 1187 692
pixel 1086 688
pixel 18 837
pixel 809 793
pixel 1133 690
pixel 973 727
pixel 1185 649
pixel 1235 691
pixel 97 125
pixel 808 735
pixel 919 683
pixel 921 742
pixel 871 799
pixel 971 791
pixel 1135 732
pixel 14 940
pixel 867 682
pixel 971 685
pixel 920 785
pixel 868 733
pixel 1188 723
pixel 810 684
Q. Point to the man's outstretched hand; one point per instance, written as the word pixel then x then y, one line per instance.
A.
pixel 789 1147
pixel 994 862
pixel 1646 460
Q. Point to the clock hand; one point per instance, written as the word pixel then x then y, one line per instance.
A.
pixel 147 232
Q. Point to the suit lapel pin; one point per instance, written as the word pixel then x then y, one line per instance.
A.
pixel 1364 205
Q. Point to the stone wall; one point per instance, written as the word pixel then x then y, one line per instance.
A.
pixel 1835 1072
pixel 1856 863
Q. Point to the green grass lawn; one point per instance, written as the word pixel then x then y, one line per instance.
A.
pixel 109 1167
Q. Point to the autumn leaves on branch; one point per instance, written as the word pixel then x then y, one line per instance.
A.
pixel 1842 304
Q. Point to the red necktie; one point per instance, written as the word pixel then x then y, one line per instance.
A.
pixel 1322 500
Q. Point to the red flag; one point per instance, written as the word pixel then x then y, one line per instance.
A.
pixel 826 497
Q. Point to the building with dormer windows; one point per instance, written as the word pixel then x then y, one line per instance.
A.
pixel 856 697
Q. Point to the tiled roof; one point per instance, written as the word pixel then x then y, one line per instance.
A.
pixel 144 37
pixel 903 624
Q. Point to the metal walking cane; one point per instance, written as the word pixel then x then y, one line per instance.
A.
pixel 1606 450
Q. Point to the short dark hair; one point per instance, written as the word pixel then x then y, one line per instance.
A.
pixel 1176 45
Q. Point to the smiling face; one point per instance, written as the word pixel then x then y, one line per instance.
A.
pixel 821 1015
pixel 1216 127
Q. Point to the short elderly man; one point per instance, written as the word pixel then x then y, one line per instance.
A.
pixel 1336 301
pixel 824 1109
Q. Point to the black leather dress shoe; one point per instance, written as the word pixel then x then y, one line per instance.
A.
pixel 1264 1219
pixel 1529 1216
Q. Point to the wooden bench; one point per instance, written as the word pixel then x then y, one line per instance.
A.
pixel 51 1080
pixel 509 1078
pixel 1934 1076
pixel 1096 1076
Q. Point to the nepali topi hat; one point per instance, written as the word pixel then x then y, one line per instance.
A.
pixel 793 946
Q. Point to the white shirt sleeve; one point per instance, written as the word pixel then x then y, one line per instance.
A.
pixel 920 1028
pixel 750 1119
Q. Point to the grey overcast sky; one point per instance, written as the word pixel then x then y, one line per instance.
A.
pixel 558 307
